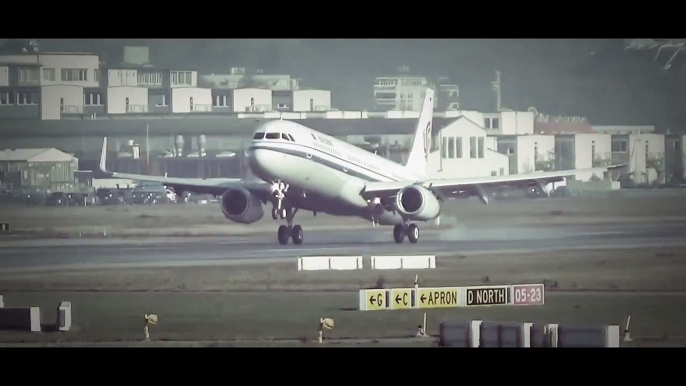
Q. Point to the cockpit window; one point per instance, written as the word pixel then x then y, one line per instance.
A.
pixel 284 136
pixel 259 135
pixel 291 137
pixel 273 135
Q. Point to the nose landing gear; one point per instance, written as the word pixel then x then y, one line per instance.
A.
pixel 290 231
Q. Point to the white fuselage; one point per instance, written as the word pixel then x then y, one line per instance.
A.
pixel 333 170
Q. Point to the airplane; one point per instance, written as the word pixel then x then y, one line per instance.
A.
pixel 302 169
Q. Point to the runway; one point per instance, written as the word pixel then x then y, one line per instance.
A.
pixel 189 251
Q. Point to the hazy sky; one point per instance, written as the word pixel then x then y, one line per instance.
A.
pixel 587 77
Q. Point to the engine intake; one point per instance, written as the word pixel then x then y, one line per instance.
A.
pixel 417 203
pixel 239 205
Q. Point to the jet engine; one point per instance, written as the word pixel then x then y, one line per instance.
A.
pixel 240 206
pixel 417 203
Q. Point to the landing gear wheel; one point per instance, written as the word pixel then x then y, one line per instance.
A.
pixel 275 213
pixel 283 235
pixel 399 233
pixel 413 234
pixel 297 235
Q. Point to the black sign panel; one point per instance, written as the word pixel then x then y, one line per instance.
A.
pixel 486 296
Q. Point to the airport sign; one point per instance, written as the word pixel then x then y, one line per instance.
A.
pixel 403 298
pixel 445 297
pixel 528 294
pixel 374 299
pixel 487 296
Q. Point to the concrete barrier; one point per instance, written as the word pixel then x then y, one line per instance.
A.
pixel 20 318
pixel 454 334
pixel 403 262
pixel 477 333
pixel 500 334
pixel 64 316
pixel 317 263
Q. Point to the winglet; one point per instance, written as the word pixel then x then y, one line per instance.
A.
pixel 103 156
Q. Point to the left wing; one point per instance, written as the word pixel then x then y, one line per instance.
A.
pixel 475 185
pixel 214 186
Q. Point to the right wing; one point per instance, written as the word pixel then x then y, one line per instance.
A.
pixel 474 185
pixel 214 186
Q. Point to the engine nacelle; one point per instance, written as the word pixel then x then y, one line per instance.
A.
pixel 240 206
pixel 417 203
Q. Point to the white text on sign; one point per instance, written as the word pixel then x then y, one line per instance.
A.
pixel 528 294
pixel 486 296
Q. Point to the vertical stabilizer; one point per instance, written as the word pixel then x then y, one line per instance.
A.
pixel 421 144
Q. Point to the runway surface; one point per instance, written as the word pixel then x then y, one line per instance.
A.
pixel 187 251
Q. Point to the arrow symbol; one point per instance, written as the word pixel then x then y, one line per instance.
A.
pixel 397 299
pixel 371 299
pixel 423 298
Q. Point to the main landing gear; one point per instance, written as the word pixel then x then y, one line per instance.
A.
pixel 411 230
pixel 290 231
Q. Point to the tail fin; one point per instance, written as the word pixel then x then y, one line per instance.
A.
pixel 103 155
pixel 421 144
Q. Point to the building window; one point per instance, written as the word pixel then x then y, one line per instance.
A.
pixel 221 101
pixel 74 75
pixel 444 147
pixel 481 147
pixel 495 123
pixel 29 74
pixel 4 98
pixel 458 147
pixel 49 74
pixel 472 147
pixel 182 78
pixel 150 78
pixel 92 99
pixel 163 101
pixel 27 98
pixel 619 146
pixel 451 147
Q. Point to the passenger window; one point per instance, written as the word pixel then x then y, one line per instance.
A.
pixel 258 136
pixel 272 136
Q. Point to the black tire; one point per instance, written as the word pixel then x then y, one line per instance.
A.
pixel 297 235
pixel 399 233
pixel 413 233
pixel 283 235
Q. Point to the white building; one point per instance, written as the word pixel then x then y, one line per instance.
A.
pixel 252 100
pixel 401 93
pixel 644 155
pixel 464 150
pixel 60 99
pixel 191 99
pixel 127 100
pixel 406 92
pixel 509 123
pixel 583 151
pixel 240 78
pixel 4 75
pixel 311 100
pixel 63 68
